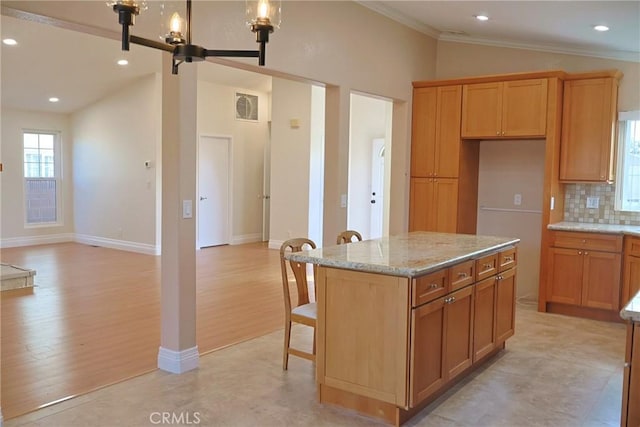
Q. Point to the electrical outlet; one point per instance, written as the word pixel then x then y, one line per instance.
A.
pixel 517 199
pixel 593 202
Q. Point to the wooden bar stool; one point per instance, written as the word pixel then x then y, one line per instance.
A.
pixel 347 237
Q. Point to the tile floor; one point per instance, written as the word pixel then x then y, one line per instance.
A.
pixel 556 371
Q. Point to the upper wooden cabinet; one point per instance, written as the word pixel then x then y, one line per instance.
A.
pixel 587 147
pixel 515 108
pixel 435 138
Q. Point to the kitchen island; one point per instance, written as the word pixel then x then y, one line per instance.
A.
pixel 631 379
pixel 402 318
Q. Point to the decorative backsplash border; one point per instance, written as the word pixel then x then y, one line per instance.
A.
pixel 575 205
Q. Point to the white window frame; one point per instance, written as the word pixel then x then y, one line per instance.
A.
pixel 623 118
pixel 57 172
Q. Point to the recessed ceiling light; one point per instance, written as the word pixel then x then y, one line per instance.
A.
pixel 54 99
pixel 122 62
pixel 10 42
pixel 481 17
pixel 601 28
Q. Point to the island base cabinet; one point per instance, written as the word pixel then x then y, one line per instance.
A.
pixel 484 331
pixel 505 305
pixel 631 379
pixel 363 312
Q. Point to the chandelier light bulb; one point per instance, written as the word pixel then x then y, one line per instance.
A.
pixel 175 24
pixel 263 9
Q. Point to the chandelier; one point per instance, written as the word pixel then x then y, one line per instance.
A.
pixel 263 16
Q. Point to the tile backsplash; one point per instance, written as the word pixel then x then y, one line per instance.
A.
pixel 575 205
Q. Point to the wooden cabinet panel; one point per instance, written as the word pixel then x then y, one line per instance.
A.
pixel 507 259
pixel 427 340
pixel 484 332
pixel 486 266
pixel 435 138
pixel 481 110
pixel 458 354
pixel 565 276
pixel 587 149
pixel 587 241
pixel 515 108
pixel 429 287
pixel 462 275
pixel 423 131
pixel 524 108
pixel 599 289
pixel 433 204
pixel 505 305
pixel 631 378
pixel 631 279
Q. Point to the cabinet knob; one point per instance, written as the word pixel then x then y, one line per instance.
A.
pixel 627 364
pixel 579 252
pixel 586 253
pixel 498 133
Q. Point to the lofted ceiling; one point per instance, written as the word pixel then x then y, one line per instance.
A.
pixel 42 65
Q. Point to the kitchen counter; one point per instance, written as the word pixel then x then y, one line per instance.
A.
pixel 588 227
pixel 632 310
pixel 407 255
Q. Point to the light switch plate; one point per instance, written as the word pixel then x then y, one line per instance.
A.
pixel 593 202
pixel 187 209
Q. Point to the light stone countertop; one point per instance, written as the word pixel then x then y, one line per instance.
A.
pixel 408 255
pixel 632 310
pixel 588 227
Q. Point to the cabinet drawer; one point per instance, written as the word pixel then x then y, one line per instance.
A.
pixel 507 259
pixel 486 266
pixel 430 287
pixel 632 245
pixel 461 275
pixel 593 241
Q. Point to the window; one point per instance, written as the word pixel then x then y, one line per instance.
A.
pixel 41 168
pixel 628 187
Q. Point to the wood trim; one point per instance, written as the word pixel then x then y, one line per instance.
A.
pixel 616 74
pixel 626 376
pixel 321 297
pixel 633 415
pixel 492 78
pixel 585 312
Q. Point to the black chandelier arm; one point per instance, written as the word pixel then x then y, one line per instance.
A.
pixel 151 43
pixel 233 53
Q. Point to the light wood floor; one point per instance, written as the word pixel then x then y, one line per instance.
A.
pixel 94 316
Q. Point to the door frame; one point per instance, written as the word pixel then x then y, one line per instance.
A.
pixel 229 139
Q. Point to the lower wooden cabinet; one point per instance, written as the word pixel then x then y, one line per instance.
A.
pixel 584 277
pixel 484 331
pixel 458 326
pixel 631 379
pixel 505 305
pixel 631 274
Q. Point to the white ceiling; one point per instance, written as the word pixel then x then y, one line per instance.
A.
pixel 43 64
pixel 557 26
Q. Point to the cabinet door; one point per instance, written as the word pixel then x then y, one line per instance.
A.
pixel 524 108
pixel 447 138
pixel 505 305
pixel 420 204
pixel 458 341
pixel 423 131
pixel 601 280
pixel 484 332
pixel 427 340
pixel 631 280
pixel 445 205
pixel 588 130
pixel 565 276
pixel 481 110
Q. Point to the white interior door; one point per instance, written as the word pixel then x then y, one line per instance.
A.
pixel 377 188
pixel 213 186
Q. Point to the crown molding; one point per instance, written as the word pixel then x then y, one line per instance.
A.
pixel 400 17
pixel 606 54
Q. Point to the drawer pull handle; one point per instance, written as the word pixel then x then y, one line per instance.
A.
pixel 433 286
pixel 487 266
pixel 449 300
pixel 462 274
pixel 508 259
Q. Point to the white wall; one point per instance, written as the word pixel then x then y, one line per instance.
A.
pixel 13 231
pixel 369 120
pixel 290 160
pixel 316 165
pixel 114 193
pixel 216 117
pixel 508 168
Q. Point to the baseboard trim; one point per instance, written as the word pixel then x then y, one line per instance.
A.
pixel 246 238
pixel 14 242
pixel 275 244
pixel 178 362
pixel 123 245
